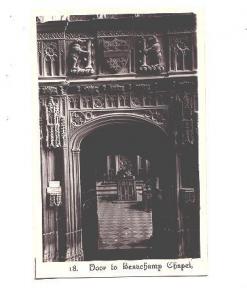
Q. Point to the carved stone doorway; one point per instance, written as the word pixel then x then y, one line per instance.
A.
pixel 128 136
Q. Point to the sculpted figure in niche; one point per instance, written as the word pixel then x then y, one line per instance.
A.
pixel 80 59
pixel 152 56
pixel 153 51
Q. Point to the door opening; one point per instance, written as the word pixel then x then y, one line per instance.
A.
pixel 120 167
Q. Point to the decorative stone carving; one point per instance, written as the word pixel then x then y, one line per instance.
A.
pixel 184 110
pixel 157 116
pixel 137 100
pixel 126 87
pixel 114 33
pixel 51 90
pixel 116 64
pixel 80 58
pixel 188 106
pixel 150 100
pixel 50 57
pixel 116 54
pixel 63 132
pixel 55 200
pixel 187 134
pixel 52 124
pixel 74 101
pixel 181 55
pixel 50 35
pixel 112 101
pixel 90 89
pixel 153 51
pixel 98 101
pixel 77 36
pixel 124 100
pixel 78 118
pixel 115 44
pixel 86 102
pixel 115 88
pixel 150 50
pixel 142 87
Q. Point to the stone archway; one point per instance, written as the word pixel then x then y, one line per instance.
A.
pixel 75 204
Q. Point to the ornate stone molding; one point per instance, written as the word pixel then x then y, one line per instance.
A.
pixel 185 111
pixel 157 116
pixel 50 35
pixel 187 132
pixel 181 52
pixel 54 200
pixel 52 90
pixel 53 123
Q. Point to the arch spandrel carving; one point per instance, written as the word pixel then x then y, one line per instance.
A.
pixel 108 119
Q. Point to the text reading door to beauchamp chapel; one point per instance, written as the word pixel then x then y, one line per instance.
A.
pixel 120 166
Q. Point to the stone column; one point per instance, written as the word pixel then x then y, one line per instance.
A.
pixel 138 164
pixel 74 246
pixel 147 165
pixel 117 163
pixel 179 215
pixel 108 165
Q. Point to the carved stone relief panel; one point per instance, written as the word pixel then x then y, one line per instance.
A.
pixel 181 52
pixel 116 55
pixel 74 53
pixel 187 132
pixel 150 55
pixel 150 99
pixel 86 102
pixel 74 102
pixel 157 116
pixel 53 122
pixel 51 55
pixel 185 110
pixel 81 57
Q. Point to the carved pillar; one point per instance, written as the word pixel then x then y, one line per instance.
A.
pixel 147 165
pixel 89 50
pixel 74 246
pixel 50 234
pixel 117 163
pixel 138 165
pixel 144 55
pixel 108 165
pixel 179 215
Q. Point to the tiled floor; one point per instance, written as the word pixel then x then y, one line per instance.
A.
pixel 123 225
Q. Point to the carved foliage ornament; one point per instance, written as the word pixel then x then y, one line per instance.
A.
pixel 55 125
pixel 116 64
pixel 115 44
pixel 52 90
pixel 159 117
pixel 185 112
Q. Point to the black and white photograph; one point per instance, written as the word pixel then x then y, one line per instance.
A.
pixel 119 151
pixel 123 141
